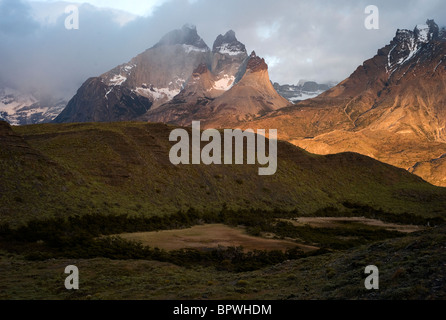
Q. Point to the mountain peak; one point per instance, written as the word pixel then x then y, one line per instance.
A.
pixel 422 33
pixel 427 32
pixel 409 44
pixel 189 26
pixel 256 63
pixel 434 30
pixel 228 44
pixel 187 35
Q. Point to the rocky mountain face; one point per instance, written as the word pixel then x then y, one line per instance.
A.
pixel 179 80
pixel 392 108
pixel 198 93
pixel 252 97
pixel 146 82
pixel 228 57
pixel 400 89
pixel 19 108
pixel 304 90
pixel 249 98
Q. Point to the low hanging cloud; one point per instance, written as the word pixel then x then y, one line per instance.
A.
pixel 16 19
pixel 313 40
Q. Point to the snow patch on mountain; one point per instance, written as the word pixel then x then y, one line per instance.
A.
pixel 118 80
pixel 414 47
pixel 230 50
pixel 19 109
pixel 189 49
pixel 157 93
pixel 128 68
pixel 304 90
pixel 441 61
pixel 408 44
pixel 12 100
pixel 224 83
pixel 423 32
pixel 389 59
pixel 306 96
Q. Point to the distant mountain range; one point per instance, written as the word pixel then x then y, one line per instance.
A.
pixel 169 75
pixel 179 79
pixel 303 90
pixel 392 108
pixel 20 108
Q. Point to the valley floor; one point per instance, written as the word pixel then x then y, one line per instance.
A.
pixel 210 236
pixel 412 267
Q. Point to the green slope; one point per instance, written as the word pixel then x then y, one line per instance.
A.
pixel 124 168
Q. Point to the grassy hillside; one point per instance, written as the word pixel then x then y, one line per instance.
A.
pixel 410 268
pixel 124 169
pixel 67 190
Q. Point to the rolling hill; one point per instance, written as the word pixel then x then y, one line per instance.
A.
pixel 124 168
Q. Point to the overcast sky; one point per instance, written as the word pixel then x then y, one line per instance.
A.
pixel 315 40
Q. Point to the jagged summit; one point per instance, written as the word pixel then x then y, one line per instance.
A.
pixel 409 44
pixel 228 44
pixel 256 63
pixel 426 32
pixel 422 33
pixel 187 35
pixel 149 80
pixel 434 30
pixel 180 80
pixel 214 97
pixel 189 26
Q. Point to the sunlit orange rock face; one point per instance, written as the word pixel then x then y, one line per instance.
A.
pixel 392 108
pixel 252 96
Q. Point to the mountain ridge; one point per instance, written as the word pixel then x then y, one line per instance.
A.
pixel 161 77
pixel 252 96
pixel 20 108
pixel 156 76
pixel 392 108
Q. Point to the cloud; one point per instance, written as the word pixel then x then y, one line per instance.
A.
pixel 135 7
pixel 47 14
pixel 315 40
pixel 264 32
pixel 15 18
pixel 272 61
